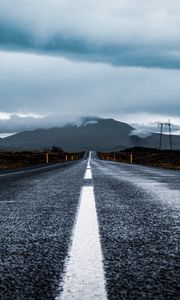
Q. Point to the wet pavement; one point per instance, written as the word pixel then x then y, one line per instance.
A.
pixel 138 213
pixel 37 217
pixel 137 209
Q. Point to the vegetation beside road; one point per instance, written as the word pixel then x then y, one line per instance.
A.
pixel 21 159
pixel 145 156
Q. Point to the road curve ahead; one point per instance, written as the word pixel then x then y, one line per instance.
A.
pixel 90 230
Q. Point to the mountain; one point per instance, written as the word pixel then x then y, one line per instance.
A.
pixel 93 134
pixel 90 134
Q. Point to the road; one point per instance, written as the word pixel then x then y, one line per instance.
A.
pixel 90 230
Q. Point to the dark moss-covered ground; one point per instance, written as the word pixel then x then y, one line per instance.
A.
pixel 146 156
pixel 13 159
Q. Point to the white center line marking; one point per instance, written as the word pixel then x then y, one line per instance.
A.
pixel 89 159
pixel 84 278
pixel 88 174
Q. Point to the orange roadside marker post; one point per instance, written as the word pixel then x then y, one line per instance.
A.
pixel 131 158
pixel 47 158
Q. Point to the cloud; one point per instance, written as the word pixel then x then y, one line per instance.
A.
pixel 118 32
pixel 61 59
pixel 17 123
pixel 141 133
pixel 32 84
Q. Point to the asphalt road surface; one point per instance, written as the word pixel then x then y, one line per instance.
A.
pixel 90 230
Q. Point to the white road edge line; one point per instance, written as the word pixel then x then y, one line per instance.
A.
pixel 34 169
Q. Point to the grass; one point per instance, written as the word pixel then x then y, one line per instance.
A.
pixel 146 156
pixel 17 159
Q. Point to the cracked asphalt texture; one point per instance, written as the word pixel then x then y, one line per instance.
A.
pixel 38 210
pixel 138 214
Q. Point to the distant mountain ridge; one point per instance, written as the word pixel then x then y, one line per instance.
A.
pixel 91 134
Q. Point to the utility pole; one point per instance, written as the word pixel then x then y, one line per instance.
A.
pixel 161 133
pixel 170 135
pixel 162 126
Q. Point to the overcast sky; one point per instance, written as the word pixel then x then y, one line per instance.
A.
pixel 66 58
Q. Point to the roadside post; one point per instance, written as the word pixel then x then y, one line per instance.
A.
pixel 131 158
pixel 47 158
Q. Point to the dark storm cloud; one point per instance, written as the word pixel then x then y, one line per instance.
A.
pixel 48 85
pixel 17 123
pixel 120 33
pixel 46 52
